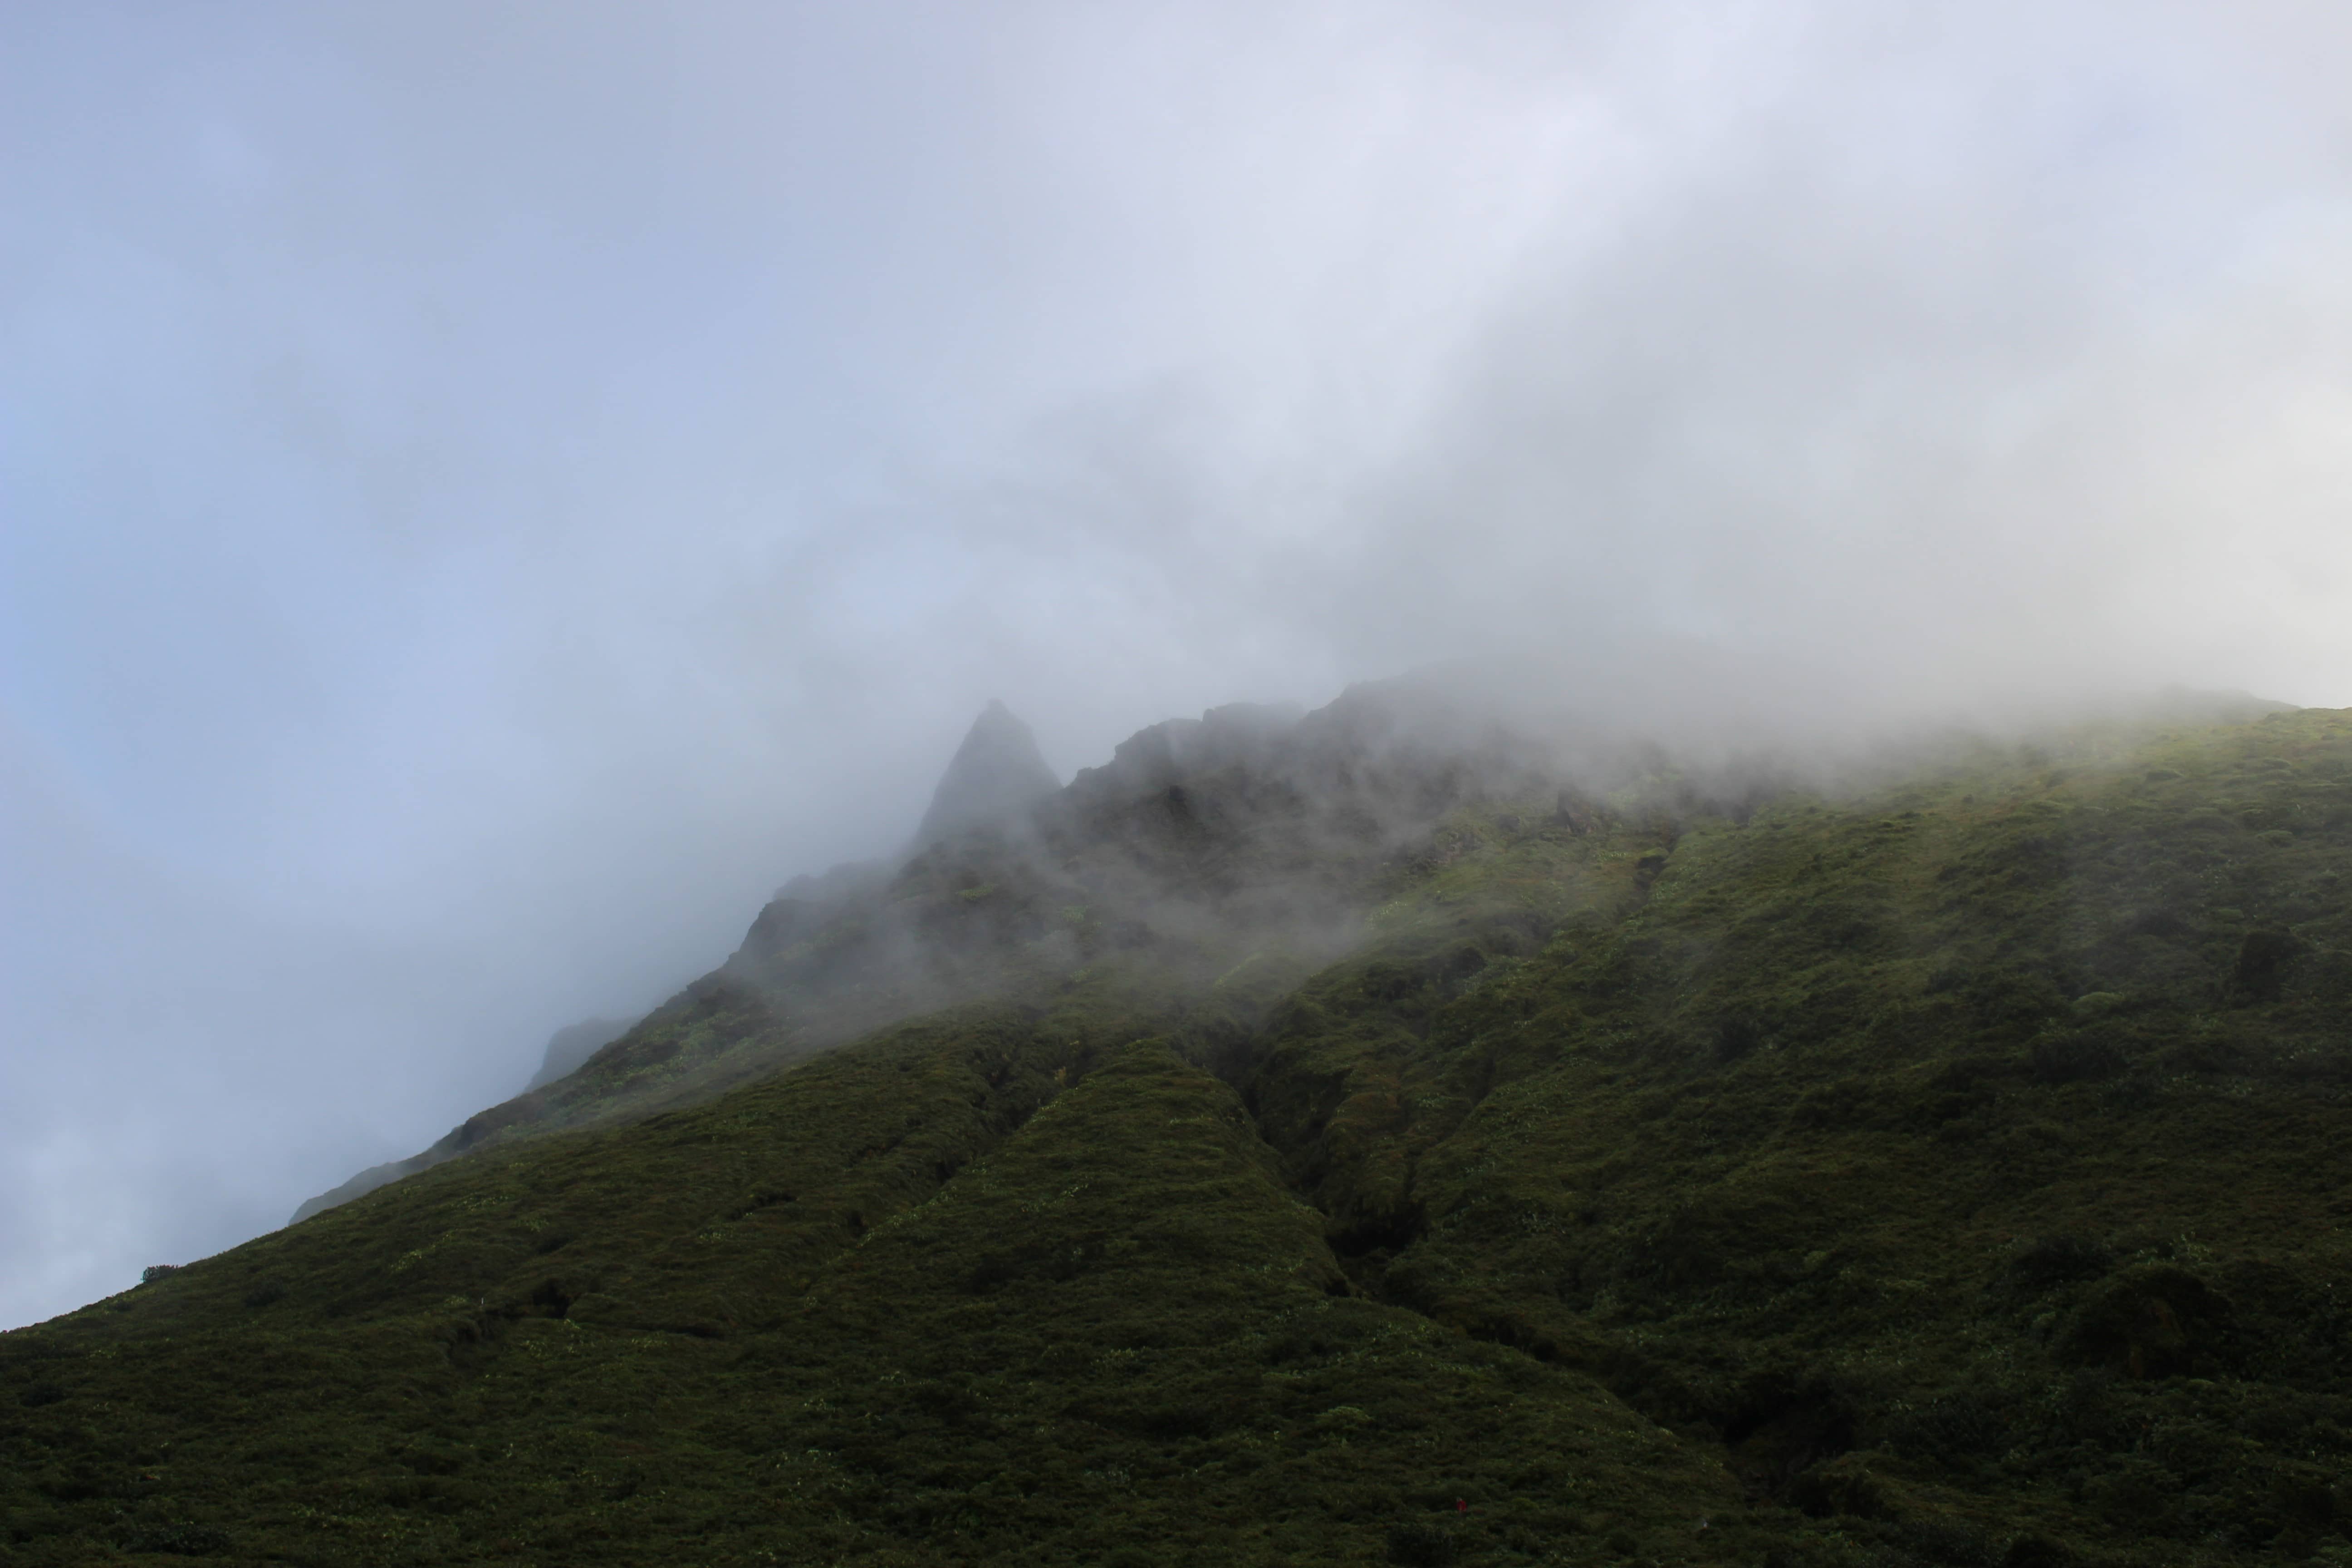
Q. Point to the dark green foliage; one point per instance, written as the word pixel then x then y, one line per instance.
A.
pixel 1421 1545
pixel 1954 1174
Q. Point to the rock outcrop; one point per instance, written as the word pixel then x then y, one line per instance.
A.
pixel 996 777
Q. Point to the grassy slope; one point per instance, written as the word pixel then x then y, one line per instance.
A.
pixel 1953 1175
pixel 1970 1159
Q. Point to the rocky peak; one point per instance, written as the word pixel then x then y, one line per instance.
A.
pixel 996 774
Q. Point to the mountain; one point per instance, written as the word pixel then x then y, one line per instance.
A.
pixel 995 776
pixel 1392 1134
pixel 568 1049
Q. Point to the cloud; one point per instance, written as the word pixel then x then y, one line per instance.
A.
pixel 487 492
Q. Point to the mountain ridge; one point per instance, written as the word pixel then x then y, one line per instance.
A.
pixel 996 774
pixel 867 942
pixel 1480 1148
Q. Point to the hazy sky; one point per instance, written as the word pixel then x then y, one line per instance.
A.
pixel 488 492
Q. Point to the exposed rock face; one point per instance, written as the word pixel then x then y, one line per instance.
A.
pixel 996 775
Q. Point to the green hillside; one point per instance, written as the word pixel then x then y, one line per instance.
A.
pixel 1303 1147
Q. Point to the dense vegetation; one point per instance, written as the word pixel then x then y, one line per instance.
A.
pixel 1956 1171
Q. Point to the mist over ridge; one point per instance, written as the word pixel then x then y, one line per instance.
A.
pixel 1816 1155
pixel 994 774
pixel 1257 837
pixel 487 500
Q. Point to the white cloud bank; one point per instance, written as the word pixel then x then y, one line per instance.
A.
pixel 487 491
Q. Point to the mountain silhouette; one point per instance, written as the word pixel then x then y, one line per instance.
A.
pixel 996 777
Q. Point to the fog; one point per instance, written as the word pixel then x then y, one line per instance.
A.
pixel 488 492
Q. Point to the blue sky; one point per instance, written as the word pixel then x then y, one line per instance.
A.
pixel 488 492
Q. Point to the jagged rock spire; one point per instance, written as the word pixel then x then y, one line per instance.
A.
pixel 996 774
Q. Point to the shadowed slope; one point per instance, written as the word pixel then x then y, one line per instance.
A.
pixel 850 1313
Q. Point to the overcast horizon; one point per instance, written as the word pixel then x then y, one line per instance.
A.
pixel 487 492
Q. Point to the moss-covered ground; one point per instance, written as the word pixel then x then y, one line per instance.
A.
pixel 1953 1172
